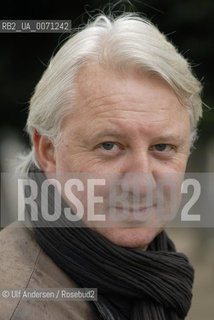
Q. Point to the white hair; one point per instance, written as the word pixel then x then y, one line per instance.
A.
pixel 128 41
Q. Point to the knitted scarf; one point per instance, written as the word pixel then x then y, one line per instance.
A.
pixel 155 284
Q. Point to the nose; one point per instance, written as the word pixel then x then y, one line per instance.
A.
pixel 138 175
pixel 138 161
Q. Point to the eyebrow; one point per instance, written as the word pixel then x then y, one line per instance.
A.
pixel 170 137
pixel 109 132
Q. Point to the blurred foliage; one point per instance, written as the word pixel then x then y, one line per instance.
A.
pixel 23 57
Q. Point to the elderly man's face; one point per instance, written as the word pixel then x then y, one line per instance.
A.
pixel 125 126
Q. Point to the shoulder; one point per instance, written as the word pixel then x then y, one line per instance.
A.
pixel 18 254
pixel 25 265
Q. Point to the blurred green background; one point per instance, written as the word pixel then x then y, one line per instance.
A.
pixel 24 57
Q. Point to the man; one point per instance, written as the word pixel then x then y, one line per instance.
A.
pixel 117 105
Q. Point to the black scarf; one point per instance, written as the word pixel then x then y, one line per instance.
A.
pixel 155 284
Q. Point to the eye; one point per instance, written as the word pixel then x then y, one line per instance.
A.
pixel 108 145
pixel 161 147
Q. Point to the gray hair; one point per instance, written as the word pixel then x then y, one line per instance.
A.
pixel 128 41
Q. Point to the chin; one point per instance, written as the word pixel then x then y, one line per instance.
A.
pixel 138 238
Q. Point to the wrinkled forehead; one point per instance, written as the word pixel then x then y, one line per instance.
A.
pixel 128 103
pixel 97 86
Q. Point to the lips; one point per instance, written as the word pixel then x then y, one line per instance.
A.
pixel 130 213
pixel 134 210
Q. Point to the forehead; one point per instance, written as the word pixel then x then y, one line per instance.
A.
pixel 97 85
pixel 104 96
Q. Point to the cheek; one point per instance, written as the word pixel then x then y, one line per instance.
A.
pixel 67 160
pixel 73 158
pixel 175 165
pixel 169 195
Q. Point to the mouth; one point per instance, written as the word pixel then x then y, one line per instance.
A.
pixel 130 213
pixel 134 210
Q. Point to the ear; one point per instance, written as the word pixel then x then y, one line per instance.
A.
pixel 45 152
